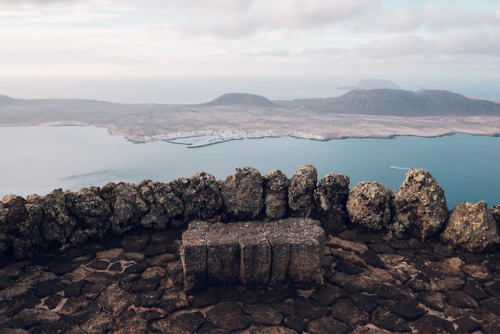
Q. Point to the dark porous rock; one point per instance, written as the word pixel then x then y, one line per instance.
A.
pixel 163 204
pixel 492 305
pixel 369 205
pixel 23 218
pixel 188 322
pixel 408 309
pixel 127 205
pixel 29 318
pixel 466 324
pixel 242 194
pixel 5 233
pixel 58 223
pixel 430 324
pixel 301 191
pixel 346 311
pixel 194 256
pixel 275 194
pixel 381 317
pixel 228 316
pixel 91 212
pixel 330 198
pixel 327 325
pixel 434 300
pixel 100 323
pixel 310 309
pixel 47 288
pixel 295 322
pixel 263 315
pixel 326 294
pixel 495 211
pixel 255 254
pixel 114 300
pixel 223 265
pixel 365 302
pixel 201 197
pixel 471 227
pixel 420 205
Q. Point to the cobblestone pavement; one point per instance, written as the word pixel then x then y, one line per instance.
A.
pixel 371 285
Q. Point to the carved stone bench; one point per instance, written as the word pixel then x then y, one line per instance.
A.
pixel 252 253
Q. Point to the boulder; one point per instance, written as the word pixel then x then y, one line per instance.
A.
pixel 242 194
pixel 420 205
pixel 127 205
pixel 369 205
pixel 330 198
pixel 301 191
pixel 495 211
pixel 471 227
pixel 58 223
pixel 5 238
pixel 91 212
pixel 275 194
pixel 163 204
pixel 201 197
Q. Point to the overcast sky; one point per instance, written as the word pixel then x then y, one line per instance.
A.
pixel 415 43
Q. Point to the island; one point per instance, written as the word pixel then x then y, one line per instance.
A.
pixel 381 113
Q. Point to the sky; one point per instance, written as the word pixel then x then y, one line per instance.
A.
pixel 185 51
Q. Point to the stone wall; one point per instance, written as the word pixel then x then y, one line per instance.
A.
pixel 33 226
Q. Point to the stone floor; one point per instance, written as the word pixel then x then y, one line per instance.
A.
pixel 371 285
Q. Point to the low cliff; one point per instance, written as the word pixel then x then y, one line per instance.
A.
pixel 33 226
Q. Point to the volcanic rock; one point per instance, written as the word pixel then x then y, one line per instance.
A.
pixel 201 197
pixel 275 194
pixel 163 204
pixel 242 194
pixel 369 205
pixel 471 227
pixel 330 198
pixel 301 191
pixel 420 205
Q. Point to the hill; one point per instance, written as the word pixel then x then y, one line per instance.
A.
pixel 241 99
pixel 396 102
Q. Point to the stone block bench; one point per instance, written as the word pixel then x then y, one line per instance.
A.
pixel 252 253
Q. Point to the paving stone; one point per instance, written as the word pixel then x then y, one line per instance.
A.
pixel 82 315
pixel 144 285
pixel 295 322
pixel 466 325
pixel 99 264
pixel 461 299
pixel 477 272
pixel 408 309
pixel 263 314
pixel 347 245
pixel 172 301
pixel 52 301
pixel 148 299
pixel 434 300
pixel 369 329
pixel 493 288
pixel 51 328
pixel 346 311
pixel 431 324
pixel 136 268
pixel 381 317
pixel 326 294
pixel 114 300
pixel 63 268
pixel 131 324
pixel 492 304
pixel 100 323
pixel 29 318
pixel 309 309
pixel 361 283
pixel 327 325
pixel 365 302
pixel 228 316
pixel 188 322
pixel 284 308
pixel 393 291
pixel 250 296
pixel 74 289
pixel 47 288
pixel 474 288
pixel 271 330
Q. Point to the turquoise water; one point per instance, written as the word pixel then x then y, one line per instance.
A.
pixel 40 159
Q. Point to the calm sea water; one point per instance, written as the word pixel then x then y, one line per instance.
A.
pixel 40 159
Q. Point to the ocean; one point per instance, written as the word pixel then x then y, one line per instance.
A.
pixel 39 159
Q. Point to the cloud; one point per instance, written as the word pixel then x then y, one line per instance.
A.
pixel 486 43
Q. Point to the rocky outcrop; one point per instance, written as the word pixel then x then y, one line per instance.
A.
pixel 420 205
pixel 164 204
pixel 369 205
pixel 201 197
pixel 330 198
pixel 242 194
pixel 275 194
pixel 301 191
pixel 471 227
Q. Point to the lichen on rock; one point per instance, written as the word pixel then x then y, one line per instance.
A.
pixel 275 194
pixel 369 206
pixel 471 227
pixel 163 204
pixel 242 194
pixel 301 191
pixel 201 197
pixel 420 206
pixel 331 198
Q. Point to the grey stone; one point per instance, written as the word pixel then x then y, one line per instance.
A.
pixel 301 191
pixel 330 198
pixel 255 254
pixel 471 227
pixel 222 254
pixel 369 206
pixel 201 197
pixel 242 194
pixel 128 206
pixel 114 300
pixel 194 256
pixel 420 205
pixel 275 194
pixel 163 204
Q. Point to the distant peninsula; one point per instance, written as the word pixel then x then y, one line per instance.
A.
pixel 379 112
